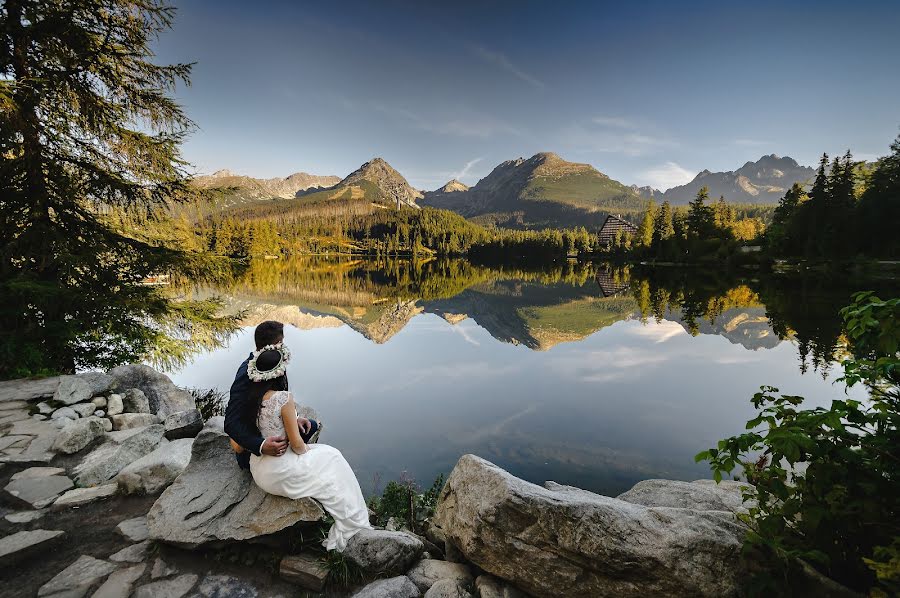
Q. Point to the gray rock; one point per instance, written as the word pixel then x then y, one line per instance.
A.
pixel 134 529
pixel 304 570
pixel 99 382
pixel 65 412
pixel 164 397
pixel 83 496
pixel 428 571
pixel 700 495
pixel 183 424
pixel 136 553
pixel 154 472
pixel 215 423
pixel 99 402
pixel 76 435
pixel 130 421
pixel 14 441
pixel 24 516
pixel 44 408
pixel 120 449
pixel 167 588
pixel 135 401
pixel 448 588
pixel 39 491
pixel 38 472
pixel 100 413
pixel 162 569
pixel 84 409
pixel 488 586
pixel 22 544
pixel 61 422
pixel 595 545
pixel 382 552
pixel 77 578
pixel 120 583
pixel 214 500
pixel 107 424
pixel 225 586
pixel 25 389
pixel 114 405
pixel 71 390
pixel 395 587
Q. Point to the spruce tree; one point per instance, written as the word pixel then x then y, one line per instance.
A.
pixel 700 218
pixel 645 234
pixel 88 127
pixel 663 228
pixel 879 207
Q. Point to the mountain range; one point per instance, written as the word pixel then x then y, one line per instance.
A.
pixel 538 192
pixel 764 181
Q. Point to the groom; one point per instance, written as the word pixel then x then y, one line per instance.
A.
pixel 240 414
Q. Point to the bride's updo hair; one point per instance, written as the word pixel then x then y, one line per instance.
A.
pixel 265 362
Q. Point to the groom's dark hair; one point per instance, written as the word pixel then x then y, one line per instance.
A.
pixel 268 333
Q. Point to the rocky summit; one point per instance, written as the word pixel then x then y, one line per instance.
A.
pixel 237 189
pixel 376 182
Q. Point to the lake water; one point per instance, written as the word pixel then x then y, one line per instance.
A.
pixel 581 374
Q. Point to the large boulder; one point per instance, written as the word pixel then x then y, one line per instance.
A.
pixel 135 401
pixel 395 587
pixel 381 551
pixel 184 424
pixel 594 545
pixel 702 495
pixel 428 572
pixel 129 421
pixel 77 434
pixel 154 472
pixel 120 449
pixel 162 395
pixel 215 501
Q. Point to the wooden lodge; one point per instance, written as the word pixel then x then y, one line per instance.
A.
pixel 611 227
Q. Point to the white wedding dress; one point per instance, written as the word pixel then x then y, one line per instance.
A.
pixel 321 473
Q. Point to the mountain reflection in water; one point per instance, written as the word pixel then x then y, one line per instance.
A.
pixel 585 374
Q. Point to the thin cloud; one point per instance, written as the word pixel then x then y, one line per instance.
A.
pixel 501 61
pixel 590 138
pixel 666 176
pixel 467 168
pixel 613 121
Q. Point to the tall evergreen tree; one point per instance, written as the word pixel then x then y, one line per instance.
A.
pixel 645 234
pixel 879 207
pixel 88 126
pixel 700 218
pixel 663 228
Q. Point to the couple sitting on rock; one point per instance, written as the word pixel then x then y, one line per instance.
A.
pixel 280 448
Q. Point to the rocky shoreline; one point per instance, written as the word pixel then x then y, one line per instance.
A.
pixel 114 486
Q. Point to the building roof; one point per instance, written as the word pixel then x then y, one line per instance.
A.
pixel 611 226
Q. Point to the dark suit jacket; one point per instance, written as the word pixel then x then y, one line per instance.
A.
pixel 240 417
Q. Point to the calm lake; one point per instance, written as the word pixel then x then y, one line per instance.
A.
pixel 582 373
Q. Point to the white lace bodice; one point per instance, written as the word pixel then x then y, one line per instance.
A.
pixel 269 419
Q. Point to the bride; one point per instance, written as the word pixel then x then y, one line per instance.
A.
pixel 307 470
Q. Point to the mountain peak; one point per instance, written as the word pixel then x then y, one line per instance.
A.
pixel 453 186
pixel 763 181
pixel 223 173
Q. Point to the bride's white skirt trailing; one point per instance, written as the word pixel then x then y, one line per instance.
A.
pixel 321 473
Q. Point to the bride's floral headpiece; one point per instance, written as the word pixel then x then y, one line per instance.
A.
pixel 277 371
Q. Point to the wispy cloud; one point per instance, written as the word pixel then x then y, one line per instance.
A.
pixel 615 140
pixel 613 121
pixel 502 62
pixel 668 175
pixel 467 168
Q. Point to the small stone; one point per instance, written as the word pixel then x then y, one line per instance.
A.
pixel 114 404
pixel 38 417
pixel 99 402
pixel 226 586
pixel 38 472
pixel 67 412
pixel 428 571
pixel 119 584
pixel 40 491
pixel 162 569
pixel 156 471
pixel 77 578
pixel 44 408
pixel 136 553
pixel 167 588
pixel 61 422
pixel 20 544
pixel 130 421
pixel 71 390
pixel 304 570
pixel 448 588
pixel 107 424
pixel 134 529
pixel 24 516
pixel 84 409
pixel 83 496
pixel 395 587
pixel 135 401
pixel 100 413
pixel 78 434
pixel 488 586
pixel 183 424
pixel 381 551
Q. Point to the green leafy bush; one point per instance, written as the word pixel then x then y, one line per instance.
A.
pixel 827 480
pixel 404 501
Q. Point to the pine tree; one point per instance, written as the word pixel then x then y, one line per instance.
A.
pixel 663 228
pixel 879 207
pixel 645 234
pixel 700 219
pixel 87 127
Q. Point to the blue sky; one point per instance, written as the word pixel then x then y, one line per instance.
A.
pixel 648 92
